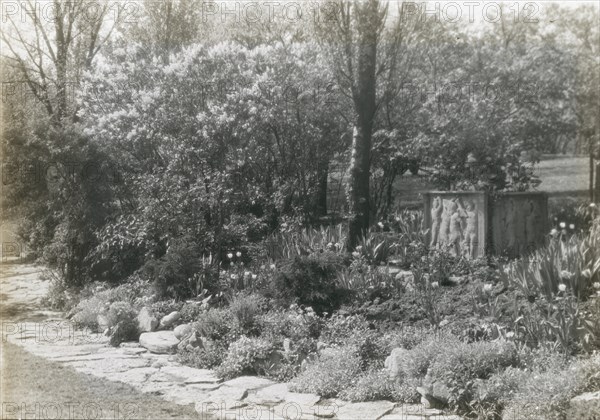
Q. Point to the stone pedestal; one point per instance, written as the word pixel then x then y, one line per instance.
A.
pixel 457 220
pixel 519 222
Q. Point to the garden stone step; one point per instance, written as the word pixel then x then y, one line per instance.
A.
pixel 161 342
pixel 217 402
pixel 365 411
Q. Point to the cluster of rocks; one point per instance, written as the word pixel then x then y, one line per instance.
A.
pixel 161 338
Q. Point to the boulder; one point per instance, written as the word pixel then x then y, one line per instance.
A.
pixel 146 321
pixel 434 394
pixel 585 406
pixel 160 342
pixel 395 361
pixel 168 320
pixel 182 331
pixel 190 342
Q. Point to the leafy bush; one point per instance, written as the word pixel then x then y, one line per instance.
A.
pixel 376 248
pixel 462 365
pixel 302 327
pixel 246 356
pixel 210 355
pixel 246 310
pixel 367 282
pixel 214 324
pixel 122 322
pixel 376 384
pixel 310 281
pixel 332 373
pixel 422 356
pixel 171 273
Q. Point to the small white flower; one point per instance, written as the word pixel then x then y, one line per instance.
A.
pixel 238 254
pixel 254 276
pixel 587 273
pixel 562 225
pixel 234 277
pixel 359 248
pixel 596 285
pixel 487 288
pixel 554 232
pixel 562 287
pixel 338 245
pixel 592 205
pixel 247 274
pixel 380 225
pixel 572 226
pixel 355 254
pixel 230 255
pixel 510 334
pixel 330 245
pixel 272 266
pixel 435 285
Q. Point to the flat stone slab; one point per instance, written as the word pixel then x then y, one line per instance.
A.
pixel 160 342
pixel 220 400
pixel 249 382
pixel 365 411
pixel 192 375
pixel 585 406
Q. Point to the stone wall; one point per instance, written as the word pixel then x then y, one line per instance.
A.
pixel 471 223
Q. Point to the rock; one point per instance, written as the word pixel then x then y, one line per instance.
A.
pixel 270 395
pixel 161 342
pixel 287 345
pixel 395 361
pixel 182 331
pixel 585 406
pixel 168 320
pixel 365 411
pixel 190 342
pixel 223 398
pixel 146 321
pixel 434 395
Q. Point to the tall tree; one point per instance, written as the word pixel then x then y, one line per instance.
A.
pixel 51 49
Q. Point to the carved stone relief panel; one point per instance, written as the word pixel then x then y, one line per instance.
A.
pixel 457 221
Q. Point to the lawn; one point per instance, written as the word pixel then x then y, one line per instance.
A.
pixel 41 389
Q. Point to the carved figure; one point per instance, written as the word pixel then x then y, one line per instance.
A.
pixel 436 217
pixel 455 227
pixel 471 229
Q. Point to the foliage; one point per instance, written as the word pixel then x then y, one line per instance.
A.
pixel 291 243
pixel 210 355
pixel 247 356
pixel 375 384
pixel 310 281
pixel 330 374
pixel 376 249
pixel 214 324
pixel 122 321
pixel 368 282
pixel 246 310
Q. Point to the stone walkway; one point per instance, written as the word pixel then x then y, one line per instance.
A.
pixel 46 334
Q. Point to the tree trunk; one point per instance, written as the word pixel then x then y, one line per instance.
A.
pixel 597 187
pixel 364 105
pixel 591 183
pixel 322 191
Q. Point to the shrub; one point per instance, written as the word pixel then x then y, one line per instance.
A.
pixel 190 312
pixel 171 273
pixel 214 324
pixel 462 365
pixel 310 281
pixel 330 375
pixel 376 384
pixel 421 357
pixel 209 356
pixel 245 310
pixel 302 327
pixel 122 322
pixel 246 356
